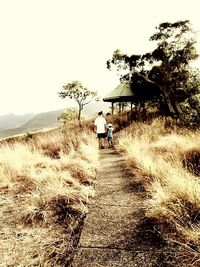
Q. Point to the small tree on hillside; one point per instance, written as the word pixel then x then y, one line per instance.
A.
pixel 69 115
pixel 80 94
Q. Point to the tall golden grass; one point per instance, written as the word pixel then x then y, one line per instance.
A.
pixel 44 187
pixel 167 162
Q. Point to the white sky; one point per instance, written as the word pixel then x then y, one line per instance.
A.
pixel 47 43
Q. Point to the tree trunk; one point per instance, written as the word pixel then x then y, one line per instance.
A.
pixel 164 107
pixel 79 114
pixel 168 102
pixel 173 102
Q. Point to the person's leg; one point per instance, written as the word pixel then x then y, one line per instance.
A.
pixel 108 141
pixel 111 141
pixel 102 142
pixel 99 139
pixel 99 142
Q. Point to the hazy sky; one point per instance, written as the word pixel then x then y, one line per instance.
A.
pixel 47 43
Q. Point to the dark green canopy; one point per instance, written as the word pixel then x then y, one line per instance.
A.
pixel 122 92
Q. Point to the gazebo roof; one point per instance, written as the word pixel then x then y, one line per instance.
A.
pixel 122 92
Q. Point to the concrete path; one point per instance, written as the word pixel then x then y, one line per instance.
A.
pixel 109 236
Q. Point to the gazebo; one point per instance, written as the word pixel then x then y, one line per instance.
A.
pixel 122 93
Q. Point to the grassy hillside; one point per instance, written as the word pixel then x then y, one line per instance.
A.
pixel 45 184
pixel 166 164
pixel 46 181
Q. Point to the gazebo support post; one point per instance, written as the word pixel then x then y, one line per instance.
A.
pixel 112 108
pixel 120 111
pixel 131 111
pixel 120 105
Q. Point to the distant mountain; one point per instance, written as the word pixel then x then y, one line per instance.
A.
pixel 38 122
pixel 11 120
pixel 43 120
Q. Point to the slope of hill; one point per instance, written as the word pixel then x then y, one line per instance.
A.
pixel 38 122
pixel 10 120
pixel 42 120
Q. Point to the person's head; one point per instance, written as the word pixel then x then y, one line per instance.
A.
pixel 109 125
pixel 100 113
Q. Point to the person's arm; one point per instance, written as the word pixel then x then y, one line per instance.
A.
pixel 105 125
pixel 95 126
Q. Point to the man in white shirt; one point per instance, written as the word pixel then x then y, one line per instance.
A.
pixel 100 125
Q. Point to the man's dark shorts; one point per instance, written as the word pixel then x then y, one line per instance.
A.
pixel 101 135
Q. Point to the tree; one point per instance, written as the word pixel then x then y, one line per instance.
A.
pixel 80 94
pixel 134 69
pixel 68 115
pixel 175 50
pixel 164 76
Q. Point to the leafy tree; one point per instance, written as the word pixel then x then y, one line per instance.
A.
pixel 135 69
pixel 164 76
pixel 175 50
pixel 80 94
pixel 68 115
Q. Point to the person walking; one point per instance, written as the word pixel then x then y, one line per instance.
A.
pixel 100 129
pixel 110 130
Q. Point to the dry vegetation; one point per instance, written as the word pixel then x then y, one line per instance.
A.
pixel 167 164
pixel 45 184
pixel 119 121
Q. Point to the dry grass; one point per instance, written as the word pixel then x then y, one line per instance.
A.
pixel 119 121
pixel 167 163
pixel 44 188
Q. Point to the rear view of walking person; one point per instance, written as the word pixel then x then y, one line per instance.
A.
pixel 100 124
pixel 110 130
